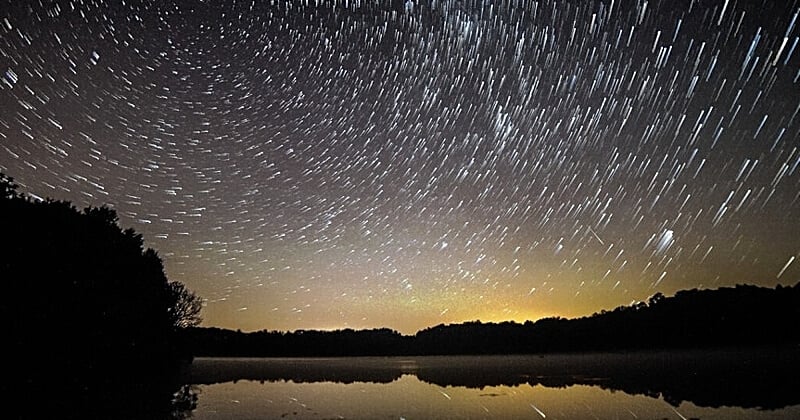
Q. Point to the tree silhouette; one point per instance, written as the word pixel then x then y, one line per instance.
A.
pixel 8 189
pixel 83 298
pixel 185 311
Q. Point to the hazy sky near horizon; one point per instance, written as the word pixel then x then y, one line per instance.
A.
pixel 331 164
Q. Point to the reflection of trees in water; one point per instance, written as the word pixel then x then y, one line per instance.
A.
pixel 342 370
pixel 84 398
pixel 184 400
pixel 766 379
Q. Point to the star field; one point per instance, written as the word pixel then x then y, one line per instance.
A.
pixel 329 164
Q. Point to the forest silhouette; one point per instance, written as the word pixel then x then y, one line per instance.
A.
pixel 92 318
pixel 741 316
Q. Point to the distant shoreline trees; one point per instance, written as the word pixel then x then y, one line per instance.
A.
pixel 743 316
pixel 83 298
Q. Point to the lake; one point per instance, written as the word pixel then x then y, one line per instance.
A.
pixel 725 384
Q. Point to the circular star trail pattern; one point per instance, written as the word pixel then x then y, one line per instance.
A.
pixel 329 164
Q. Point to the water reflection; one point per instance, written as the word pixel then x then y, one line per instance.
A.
pixel 115 396
pixel 765 381
pixel 410 398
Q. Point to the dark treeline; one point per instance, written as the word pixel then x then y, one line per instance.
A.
pixel 91 318
pixel 348 342
pixel 741 316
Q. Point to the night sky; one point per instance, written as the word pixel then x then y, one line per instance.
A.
pixel 331 164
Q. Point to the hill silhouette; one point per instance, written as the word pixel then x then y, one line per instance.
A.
pixel 87 304
pixel 740 316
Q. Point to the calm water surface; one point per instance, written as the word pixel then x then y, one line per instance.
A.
pixel 701 385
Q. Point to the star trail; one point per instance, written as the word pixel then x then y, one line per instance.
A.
pixel 330 164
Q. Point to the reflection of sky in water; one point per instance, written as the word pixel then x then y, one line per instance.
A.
pixel 411 398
